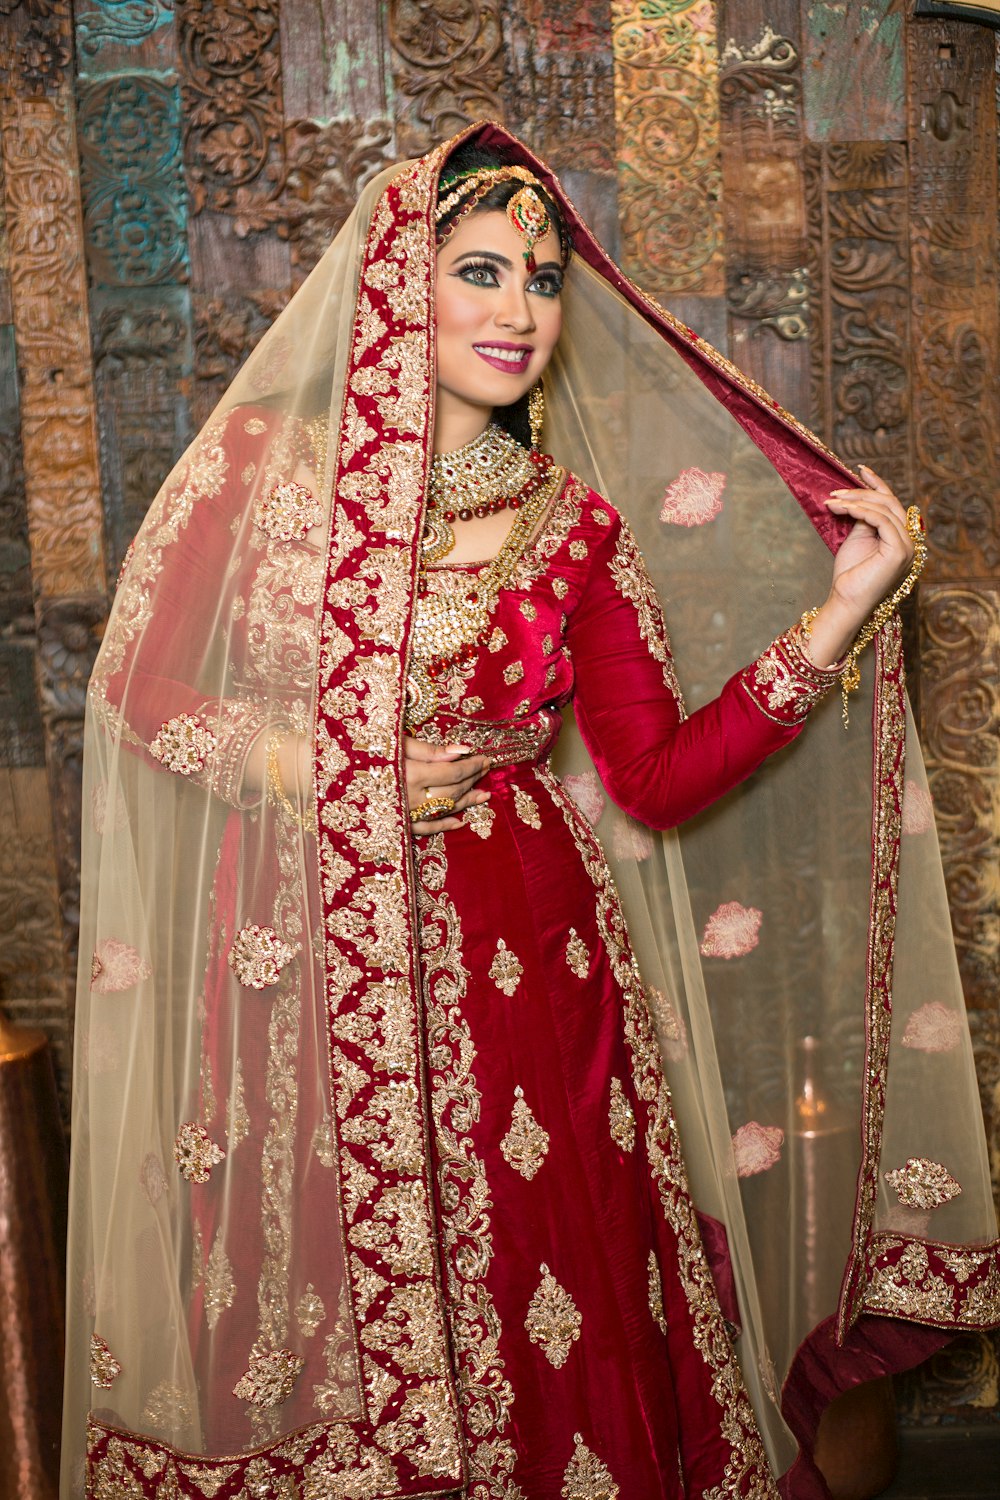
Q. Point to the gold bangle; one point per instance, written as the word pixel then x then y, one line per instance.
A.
pixel 276 794
pixel 850 677
pixel 432 807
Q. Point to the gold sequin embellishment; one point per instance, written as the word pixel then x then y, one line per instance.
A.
pixel 526 808
pixel 196 1153
pixel 183 745
pixel 258 956
pixel 577 956
pixel 506 969
pixel 270 1377
pixel 620 1118
pixel 104 1368
pixel 553 1321
pixel 923 1184
pixel 287 512
pixel 586 1478
pixel 526 1144
pixel 655 1288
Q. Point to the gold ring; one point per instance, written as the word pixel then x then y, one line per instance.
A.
pixel 432 807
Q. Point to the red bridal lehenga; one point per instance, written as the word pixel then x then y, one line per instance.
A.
pixel 378 1189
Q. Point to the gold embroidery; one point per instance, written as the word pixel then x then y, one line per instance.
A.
pixel 932 1282
pixel 632 580
pixel 655 1290
pixel 553 1320
pixel 208 1100
pixel 258 956
pixel 248 472
pixel 586 1478
pixel 237 1118
pixel 506 969
pixel 547 645
pixel 220 1285
pixel 620 1118
pixel 270 1376
pixel 526 1144
pixel 309 1311
pixel 921 1183
pixel 526 808
pixel 104 1368
pixel 528 610
pixel 254 426
pixel 287 512
pixel 480 819
pixel 513 673
pixel 497 640
pixel 522 708
pixel 323 1144
pixel 577 955
pixel 183 745
pixel 485 1393
pixel 578 550
pixel 196 1153
pixel 748 1463
pixel 560 587
pixel 474 705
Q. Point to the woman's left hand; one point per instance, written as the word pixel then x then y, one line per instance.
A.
pixel 873 558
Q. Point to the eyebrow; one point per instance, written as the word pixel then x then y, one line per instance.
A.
pixel 501 260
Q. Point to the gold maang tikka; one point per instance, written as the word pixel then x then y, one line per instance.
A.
pixel 526 211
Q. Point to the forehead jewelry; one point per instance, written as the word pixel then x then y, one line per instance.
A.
pixel 526 211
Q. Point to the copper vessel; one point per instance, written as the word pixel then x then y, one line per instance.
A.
pixel 33 1183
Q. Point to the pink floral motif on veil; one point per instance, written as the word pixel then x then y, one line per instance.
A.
pixel 933 1028
pixel 693 498
pixel 115 967
pixel 588 795
pixel 731 931
pixel 757 1147
pixel 631 839
pixel 918 808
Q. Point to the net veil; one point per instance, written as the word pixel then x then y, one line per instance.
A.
pixel 249 1110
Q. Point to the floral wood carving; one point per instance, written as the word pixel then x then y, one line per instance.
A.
pixel 447 67
pixel 226 328
pixel 954 253
pixel 129 128
pixel 53 345
pixel 231 90
pixel 327 167
pixel 560 81
pixel 668 144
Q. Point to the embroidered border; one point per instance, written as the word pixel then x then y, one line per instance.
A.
pixel 927 1281
pixel 889 736
pixel 747 1472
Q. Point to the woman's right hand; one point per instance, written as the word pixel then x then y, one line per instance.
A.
pixel 442 771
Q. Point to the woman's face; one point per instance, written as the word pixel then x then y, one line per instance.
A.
pixel 497 323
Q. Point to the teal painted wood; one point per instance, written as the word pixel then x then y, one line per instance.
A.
pixel 113 36
pixel 129 132
pixel 854 73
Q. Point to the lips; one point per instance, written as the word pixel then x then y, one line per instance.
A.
pixel 511 358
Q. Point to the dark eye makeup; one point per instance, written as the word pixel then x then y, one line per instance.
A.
pixel 481 271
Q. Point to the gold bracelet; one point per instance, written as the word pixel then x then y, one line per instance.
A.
pixel 850 672
pixel 276 794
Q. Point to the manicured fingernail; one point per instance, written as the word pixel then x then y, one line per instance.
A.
pixel 459 749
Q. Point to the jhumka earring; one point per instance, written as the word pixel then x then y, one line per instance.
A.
pixel 536 413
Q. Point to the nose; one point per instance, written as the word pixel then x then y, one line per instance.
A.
pixel 514 312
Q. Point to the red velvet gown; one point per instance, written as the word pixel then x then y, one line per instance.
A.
pixel 585 1329
pixel 590 1354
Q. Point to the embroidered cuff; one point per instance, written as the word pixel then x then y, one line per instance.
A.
pixel 784 683
pixel 237 727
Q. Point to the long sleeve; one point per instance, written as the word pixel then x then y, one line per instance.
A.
pixel 165 678
pixel 658 765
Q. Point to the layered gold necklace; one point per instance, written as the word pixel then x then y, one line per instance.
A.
pixel 451 622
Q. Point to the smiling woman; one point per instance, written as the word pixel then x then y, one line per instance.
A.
pixel 378 1184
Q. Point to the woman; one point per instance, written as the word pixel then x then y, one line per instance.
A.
pixel 378 1189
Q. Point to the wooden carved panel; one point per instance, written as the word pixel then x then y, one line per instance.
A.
pixel 855 72
pixel 667 118
pixel 953 197
pixel 53 345
pixel 447 67
pixel 226 328
pixel 15 554
pixel 143 360
pixel 858 259
pixel 560 81
pixel 767 279
pixel 327 167
pixel 129 128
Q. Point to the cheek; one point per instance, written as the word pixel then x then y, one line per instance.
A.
pixel 454 313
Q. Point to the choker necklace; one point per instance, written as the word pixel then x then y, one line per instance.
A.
pixel 491 473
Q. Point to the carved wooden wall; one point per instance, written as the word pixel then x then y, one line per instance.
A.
pixel 811 183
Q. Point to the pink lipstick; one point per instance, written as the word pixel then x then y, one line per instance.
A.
pixel 511 358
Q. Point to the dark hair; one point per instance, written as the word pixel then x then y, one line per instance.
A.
pixel 472 158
